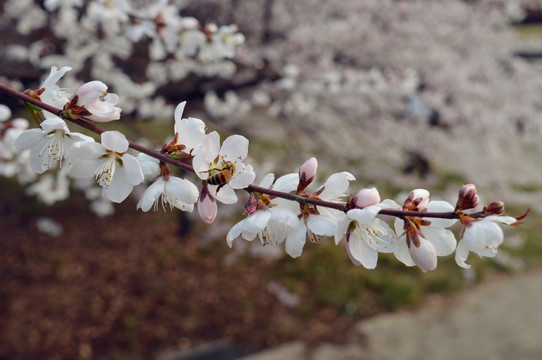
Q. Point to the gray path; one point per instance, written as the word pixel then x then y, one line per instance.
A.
pixel 498 320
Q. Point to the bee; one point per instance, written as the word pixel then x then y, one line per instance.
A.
pixel 221 175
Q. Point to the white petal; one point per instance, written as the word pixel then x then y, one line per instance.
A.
pixel 182 190
pixel 191 132
pixel 284 216
pixel 132 169
pixel 115 141
pixel 235 232
pixel 179 112
pixel 243 179
pixel 443 240
pixel 336 185
pixel 461 254
pixel 267 181
pixel 424 256
pixel 225 195
pixel 235 147
pixel 287 183
pixel 441 206
pixel 508 220
pixel 483 238
pixel 340 230
pixel 402 253
pixel 365 215
pixel 54 123
pixel 151 194
pixel 321 225
pixel 362 252
pixel 257 221
pixel 28 139
pixel 119 188
pixel 296 240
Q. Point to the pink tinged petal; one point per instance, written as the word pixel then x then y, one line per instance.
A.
pixel 443 240
pixel 235 148
pixel 132 169
pixel 342 227
pixel 367 197
pixel 243 178
pixel 296 240
pixel 461 254
pixel 28 139
pixel 441 206
pixel 112 99
pixel 182 190
pixel 115 141
pixel 267 181
pixel 225 195
pixel 151 194
pixel 362 252
pixel 119 188
pixel 207 207
pixel 179 113
pixel 424 256
pixel 336 185
pixel 321 225
pixel 287 183
pixel 307 171
pixel 90 92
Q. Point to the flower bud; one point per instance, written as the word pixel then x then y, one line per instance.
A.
pixel 468 198
pixel 98 102
pixel 307 171
pixel 252 203
pixel 424 254
pixel 207 208
pixel 417 200
pixel 494 208
pixel 367 197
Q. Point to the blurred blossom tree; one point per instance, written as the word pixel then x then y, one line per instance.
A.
pixel 370 83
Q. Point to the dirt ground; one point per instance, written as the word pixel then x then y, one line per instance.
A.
pixel 130 286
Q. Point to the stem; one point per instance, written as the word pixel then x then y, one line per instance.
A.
pixel 251 188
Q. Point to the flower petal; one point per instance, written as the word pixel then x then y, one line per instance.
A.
pixel 443 240
pixel 321 225
pixel 287 183
pixel 362 252
pixel 336 185
pixel 115 141
pixel 296 240
pixel 235 148
pixel 132 169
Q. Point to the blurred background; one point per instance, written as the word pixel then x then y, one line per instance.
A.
pixel 402 94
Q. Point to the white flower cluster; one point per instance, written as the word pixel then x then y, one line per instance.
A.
pixel 95 35
pixel 421 226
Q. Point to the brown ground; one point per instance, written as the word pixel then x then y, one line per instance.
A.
pixel 128 286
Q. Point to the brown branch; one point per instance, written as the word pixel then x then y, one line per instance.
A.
pixel 251 188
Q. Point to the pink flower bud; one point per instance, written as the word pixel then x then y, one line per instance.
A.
pixel 96 100
pixel 468 198
pixel 207 208
pixel 367 197
pixel 494 208
pixel 423 254
pixel 417 200
pixel 307 171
